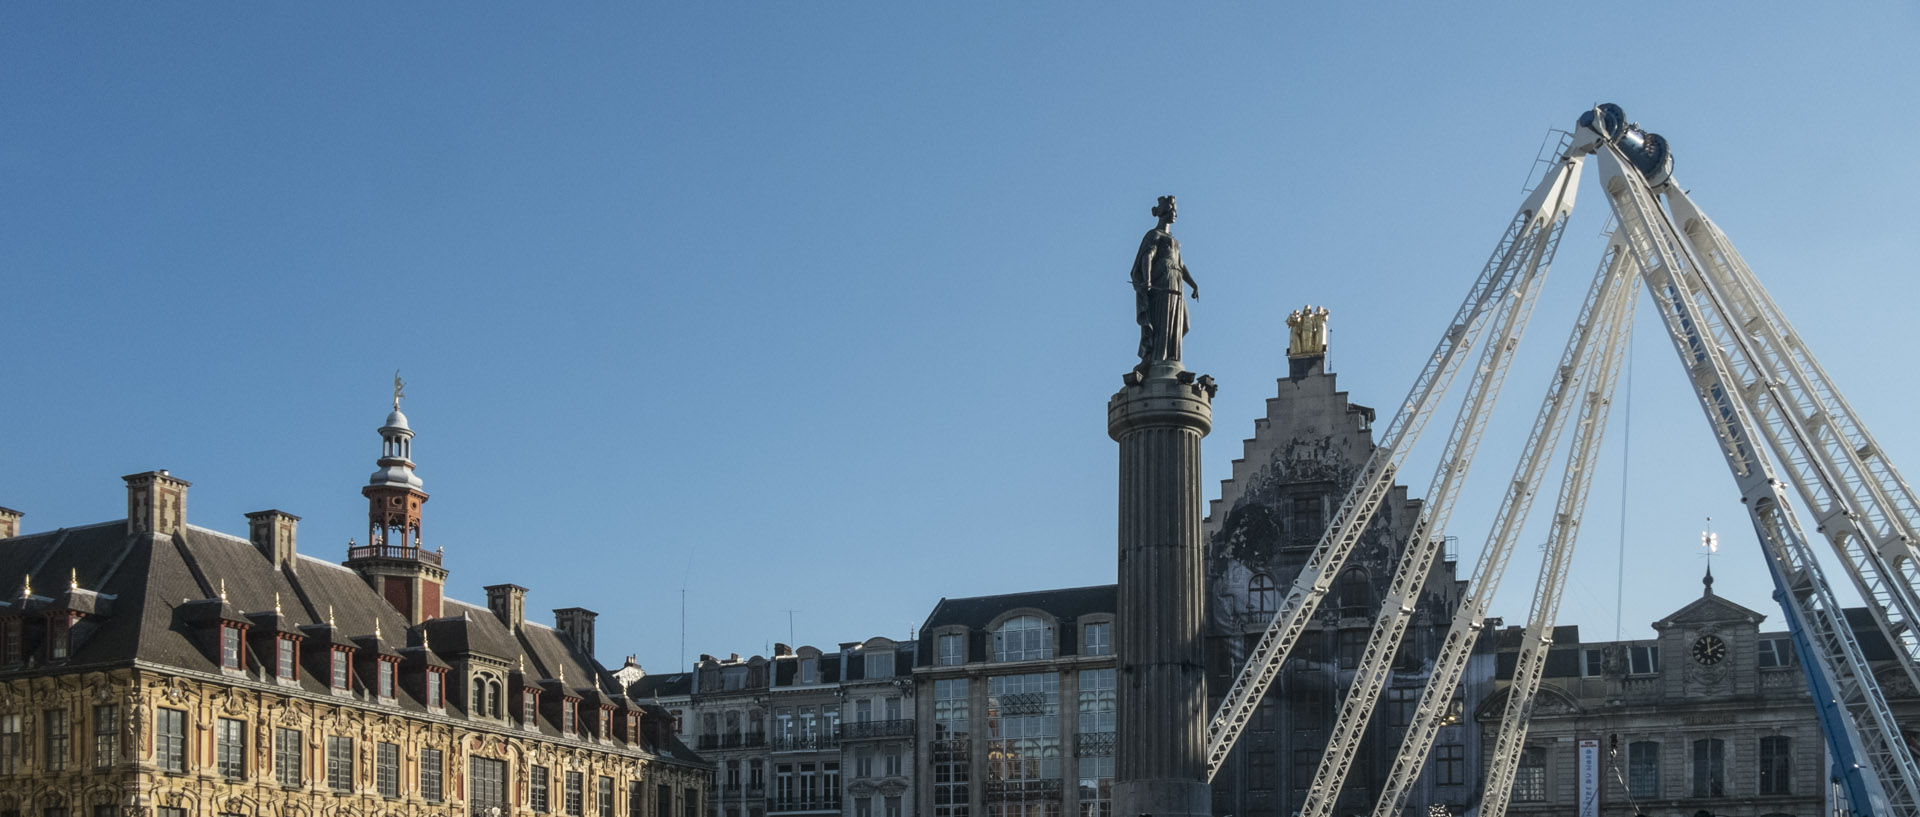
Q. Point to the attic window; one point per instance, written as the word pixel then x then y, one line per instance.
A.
pixel 385 673
pixel 606 723
pixel 285 658
pixel 879 665
pixel 59 641
pixel 433 689
pixel 340 677
pixel 229 647
pixel 567 725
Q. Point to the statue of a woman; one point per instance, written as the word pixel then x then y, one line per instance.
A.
pixel 1158 302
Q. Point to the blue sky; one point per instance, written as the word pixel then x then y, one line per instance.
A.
pixel 816 307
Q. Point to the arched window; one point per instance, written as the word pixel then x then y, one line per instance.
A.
pixel 1262 595
pixel 1356 594
pixel 477 703
pixel 493 698
pixel 1023 638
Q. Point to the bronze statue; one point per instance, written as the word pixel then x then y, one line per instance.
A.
pixel 1158 303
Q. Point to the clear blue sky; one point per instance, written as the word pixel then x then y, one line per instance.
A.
pixel 816 307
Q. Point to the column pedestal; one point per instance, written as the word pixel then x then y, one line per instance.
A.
pixel 1160 764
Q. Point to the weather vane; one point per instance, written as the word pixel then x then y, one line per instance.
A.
pixel 398 385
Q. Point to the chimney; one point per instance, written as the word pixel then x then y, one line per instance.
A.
pixel 272 532
pixel 509 602
pixel 9 523
pixel 156 503
pixel 577 622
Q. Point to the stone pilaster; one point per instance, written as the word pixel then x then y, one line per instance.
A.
pixel 1160 767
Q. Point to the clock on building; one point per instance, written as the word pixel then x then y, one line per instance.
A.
pixel 1709 650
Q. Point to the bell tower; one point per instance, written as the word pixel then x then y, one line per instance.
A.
pixel 393 560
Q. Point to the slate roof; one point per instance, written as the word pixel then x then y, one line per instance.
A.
pixel 157 599
pixel 975 613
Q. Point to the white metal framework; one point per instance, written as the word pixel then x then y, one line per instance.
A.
pixel 1765 398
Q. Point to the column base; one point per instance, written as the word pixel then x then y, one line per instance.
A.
pixel 1162 798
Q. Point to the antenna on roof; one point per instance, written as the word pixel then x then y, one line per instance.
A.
pixel 790 623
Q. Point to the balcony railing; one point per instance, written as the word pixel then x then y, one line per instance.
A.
pixel 816 804
pixel 897 728
pixel 807 743
pixel 1034 789
pixel 393 552
pixel 750 740
pixel 1094 744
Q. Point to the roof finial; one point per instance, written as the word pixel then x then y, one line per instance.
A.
pixel 376 630
pixel 26 587
pixel 223 590
pixel 276 602
pixel 423 640
pixel 73 583
pixel 330 624
pixel 563 675
pixel 398 385
pixel 1710 541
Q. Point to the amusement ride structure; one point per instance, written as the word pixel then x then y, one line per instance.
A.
pixel 1796 450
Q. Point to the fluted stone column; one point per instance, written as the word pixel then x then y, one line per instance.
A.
pixel 1160 768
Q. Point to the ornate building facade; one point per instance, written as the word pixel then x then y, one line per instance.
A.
pixel 1271 513
pixel 150 667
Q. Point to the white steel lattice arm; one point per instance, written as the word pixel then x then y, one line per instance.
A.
pixel 1862 506
pixel 1515 260
pixel 1615 326
pixel 1424 543
pixel 1469 615
pixel 1887 781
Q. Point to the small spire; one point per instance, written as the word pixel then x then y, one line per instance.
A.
pixel 330 624
pixel 276 602
pixel 376 630
pixel 523 664
pixel 563 675
pixel 398 385
pixel 26 587
pixel 423 640
pixel 223 590
pixel 73 583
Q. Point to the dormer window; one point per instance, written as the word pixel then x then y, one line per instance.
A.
pixel 529 708
pixel 809 670
pixel 58 642
pixel 229 647
pixel 633 727
pixel 342 679
pixel 567 716
pixel 433 690
pixel 606 723
pixel 385 676
pixel 285 659
pixel 9 640
pixel 1023 638
pixel 879 664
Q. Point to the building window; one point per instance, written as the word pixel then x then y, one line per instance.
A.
pixel 537 785
pixel 339 763
pixel 636 799
pixel 386 769
pixel 952 755
pixel 863 763
pixel 432 769
pixel 1309 517
pixel 9 641
pixel 1773 653
pixel 575 783
pixel 230 748
pixel 783 785
pixel 286 756
pixel 229 646
pixel 1400 704
pixel 286 660
pixel 1266 718
pixel 863 807
pixel 663 801
pixel 529 708
pixel 603 790
pixel 1352 644
pixel 1097 703
pixel 1530 777
pixel 1263 770
pixel 1709 768
pixel 56 739
pixel 950 650
pixel 1262 595
pixel 1593 663
pixel 1023 742
pixel 433 690
pixel 340 676
pixel 106 735
pixel 385 674
pixel 567 715
pixel 487 787
pixel 1776 765
pixel 893 806
pixel 9 744
pixel 879 665
pixel 1643 659
pixel 1450 764
pixel 809 671
pixel 170 811
pixel 1305 763
pixel 1023 638
pixel 891 767
pixel 1643 769
pixel 1097 639
pixel 170 739
pixel 1356 594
